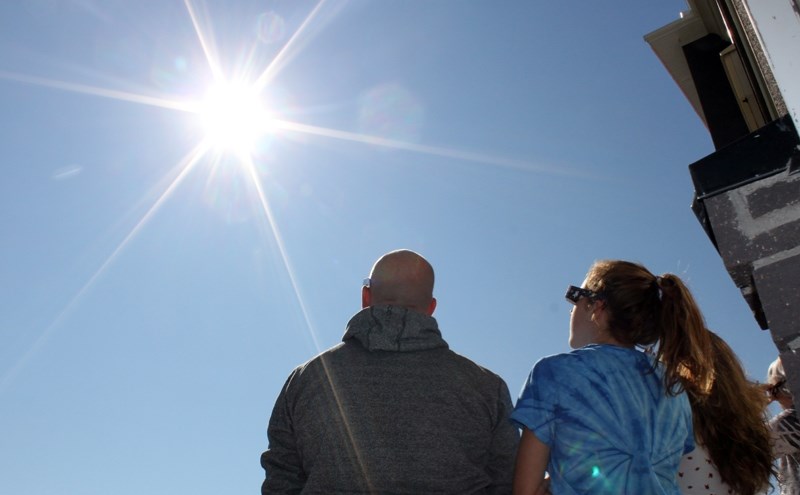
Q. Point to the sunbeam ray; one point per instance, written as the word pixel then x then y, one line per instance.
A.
pixel 262 198
pixel 290 271
pixel 211 58
pixel 102 92
pixel 273 67
pixel 184 167
pixel 430 150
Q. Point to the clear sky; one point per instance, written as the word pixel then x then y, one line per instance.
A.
pixel 156 293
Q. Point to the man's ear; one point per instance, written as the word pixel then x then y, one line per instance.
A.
pixel 366 297
pixel 431 307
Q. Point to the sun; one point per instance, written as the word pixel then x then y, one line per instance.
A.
pixel 234 117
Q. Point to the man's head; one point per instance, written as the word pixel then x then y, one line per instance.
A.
pixel 401 278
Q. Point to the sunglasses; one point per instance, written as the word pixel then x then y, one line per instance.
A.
pixel 574 294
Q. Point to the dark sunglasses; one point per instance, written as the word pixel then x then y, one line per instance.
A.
pixel 574 294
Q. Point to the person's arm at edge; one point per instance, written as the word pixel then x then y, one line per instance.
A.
pixel 281 462
pixel 532 458
pixel 503 448
pixel 785 431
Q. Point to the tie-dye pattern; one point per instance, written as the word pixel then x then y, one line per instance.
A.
pixel 610 426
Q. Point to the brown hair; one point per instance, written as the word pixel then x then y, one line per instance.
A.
pixel 645 310
pixel 730 423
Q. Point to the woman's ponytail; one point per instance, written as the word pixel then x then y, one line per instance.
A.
pixel 685 343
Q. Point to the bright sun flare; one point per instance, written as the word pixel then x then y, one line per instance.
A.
pixel 234 117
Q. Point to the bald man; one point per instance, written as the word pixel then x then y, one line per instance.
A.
pixel 392 409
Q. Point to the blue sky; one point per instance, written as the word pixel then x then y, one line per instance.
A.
pixel 152 305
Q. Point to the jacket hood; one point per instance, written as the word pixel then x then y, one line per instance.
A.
pixel 394 328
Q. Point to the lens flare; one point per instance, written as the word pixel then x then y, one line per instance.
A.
pixel 271 28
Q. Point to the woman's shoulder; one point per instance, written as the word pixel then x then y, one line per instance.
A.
pixel 591 358
pixel 598 354
pixel 577 357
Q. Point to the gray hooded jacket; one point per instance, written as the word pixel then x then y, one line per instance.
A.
pixel 391 410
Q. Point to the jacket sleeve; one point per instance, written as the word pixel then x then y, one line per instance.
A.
pixel 503 448
pixel 281 462
pixel 785 429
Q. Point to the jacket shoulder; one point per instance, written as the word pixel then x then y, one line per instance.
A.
pixel 471 367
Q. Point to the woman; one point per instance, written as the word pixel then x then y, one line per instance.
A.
pixel 606 417
pixel 733 443
pixel 785 429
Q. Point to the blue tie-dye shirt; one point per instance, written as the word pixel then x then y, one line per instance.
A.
pixel 610 426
